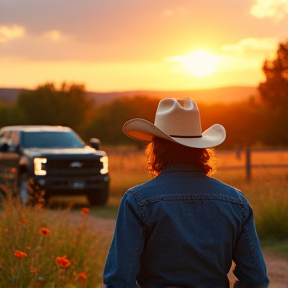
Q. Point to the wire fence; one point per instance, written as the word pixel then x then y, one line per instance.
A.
pixel 250 159
pixel 126 160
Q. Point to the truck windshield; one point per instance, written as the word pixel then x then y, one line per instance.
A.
pixel 52 139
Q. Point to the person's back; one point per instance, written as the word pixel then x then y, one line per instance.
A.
pixel 183 228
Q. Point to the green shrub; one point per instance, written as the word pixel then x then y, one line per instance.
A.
pixel 272 221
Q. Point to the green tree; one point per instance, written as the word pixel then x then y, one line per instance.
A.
pixel 274 95
pixel 242 121
pixel 8 114
pixel 68 106
pixel 109 119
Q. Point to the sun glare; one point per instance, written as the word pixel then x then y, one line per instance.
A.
pixel 199 63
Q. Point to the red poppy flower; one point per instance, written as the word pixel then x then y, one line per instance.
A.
pixel 34 271
pixel 20 254
pixel 63 262
pixel 82 276
pixel 85 211
pixel 44 231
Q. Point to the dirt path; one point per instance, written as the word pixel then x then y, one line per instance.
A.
pixel 277 267
pixel 278 271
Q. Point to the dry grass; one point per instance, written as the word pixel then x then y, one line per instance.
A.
pixel 20 225
pixel 267 191
pixel 127 168
pixel 41 248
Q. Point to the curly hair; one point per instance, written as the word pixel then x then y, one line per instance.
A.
pixel 161 152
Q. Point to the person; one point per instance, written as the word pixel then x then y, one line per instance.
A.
pixel 182 228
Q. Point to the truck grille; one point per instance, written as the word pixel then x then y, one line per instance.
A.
pixel 73 167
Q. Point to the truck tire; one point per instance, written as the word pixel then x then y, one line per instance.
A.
pixel 98 198
pixel 23 187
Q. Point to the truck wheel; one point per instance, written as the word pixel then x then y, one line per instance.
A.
pixel 23 187
pixel 99 197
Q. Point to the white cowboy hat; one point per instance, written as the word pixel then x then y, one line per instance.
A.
pixel 177 121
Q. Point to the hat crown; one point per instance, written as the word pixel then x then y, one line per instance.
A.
pixel 178 117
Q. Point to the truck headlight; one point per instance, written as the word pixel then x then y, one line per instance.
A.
pixel 40 166
pixel 104 160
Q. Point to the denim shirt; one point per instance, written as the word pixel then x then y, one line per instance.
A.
pixel 183 229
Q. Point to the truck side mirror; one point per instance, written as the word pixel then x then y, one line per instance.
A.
pixel 95 143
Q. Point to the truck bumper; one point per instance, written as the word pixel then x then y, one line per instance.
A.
pixel 72 186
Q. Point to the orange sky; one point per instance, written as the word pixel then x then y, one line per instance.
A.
pixel 139 45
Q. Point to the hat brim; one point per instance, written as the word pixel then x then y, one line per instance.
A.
pixel 143 130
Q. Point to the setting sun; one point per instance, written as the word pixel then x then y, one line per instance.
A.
pixel 183 45
pixel 199 63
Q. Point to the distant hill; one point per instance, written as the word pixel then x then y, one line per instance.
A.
pixel 215 95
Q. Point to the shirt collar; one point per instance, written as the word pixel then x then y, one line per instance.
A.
pixel 181 167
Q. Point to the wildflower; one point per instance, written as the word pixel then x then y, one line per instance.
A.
pixel 63 262
pixel 6 230
pixel 20 254
pixel 23 222
pixel 82 276
pixel 34 271
pixel 84 211
pixel 44 231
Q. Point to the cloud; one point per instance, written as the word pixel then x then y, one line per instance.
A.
pixel 252 45
pixel 239 62
pixel 270 9
pixel 8 33
pixel 55 35
pixel 223 63
pixel 248 53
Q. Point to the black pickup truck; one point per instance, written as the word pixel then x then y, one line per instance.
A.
pixel 56 158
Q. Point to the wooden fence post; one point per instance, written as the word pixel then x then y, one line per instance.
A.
pixel 248 164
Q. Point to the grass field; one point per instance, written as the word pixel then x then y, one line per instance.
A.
pixel 267 191
pixel 128 168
